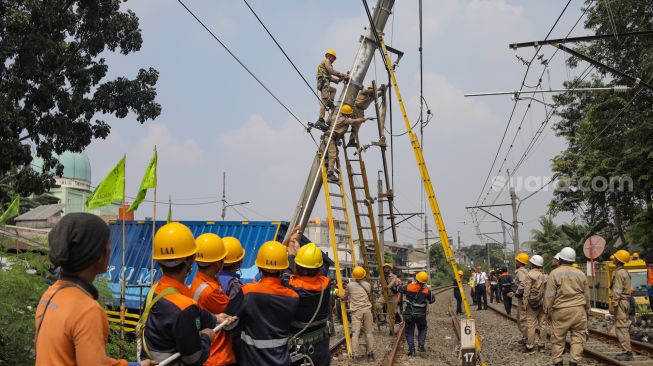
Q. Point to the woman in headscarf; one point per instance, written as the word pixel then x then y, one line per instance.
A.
pixel 71 326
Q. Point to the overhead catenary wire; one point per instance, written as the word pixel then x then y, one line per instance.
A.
pixel 505 132
pixel 246 68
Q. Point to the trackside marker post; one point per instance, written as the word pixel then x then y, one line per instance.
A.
pixel 468 342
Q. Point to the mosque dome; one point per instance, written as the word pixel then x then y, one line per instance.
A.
pixel 76 166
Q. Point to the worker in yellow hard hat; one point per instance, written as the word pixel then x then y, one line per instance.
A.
pixel 172 321
pixel 268 310
pixel 620 293
pixel 343 119
pixel 357 294
pixel 418 296
pixel 314 290
pixel 363 100
pixel 208 293
pixel 521 272
pixel 393 295
pixel 326 74
pixel 229 278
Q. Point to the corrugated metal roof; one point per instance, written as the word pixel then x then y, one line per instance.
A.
pixel 41 212
pixel 138 238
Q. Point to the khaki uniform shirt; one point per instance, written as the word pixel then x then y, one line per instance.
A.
pixel 325 70
pixel 566 287
pixel 520 278
pixel 620 287
pixel 344 122
pixel 531 280
pixel 358 294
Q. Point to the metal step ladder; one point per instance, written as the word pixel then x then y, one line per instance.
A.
pixel 368 239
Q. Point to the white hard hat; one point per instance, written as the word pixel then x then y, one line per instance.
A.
pixel 537 260
pixel 568 254
pixel 557 256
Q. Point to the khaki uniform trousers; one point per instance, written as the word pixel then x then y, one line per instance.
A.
pixel 521 317
pixel 574 321
pixel 328 93
pixel 622 324
pixel 357 113
pixel 394 299
pixel 362 319
pixel 535 319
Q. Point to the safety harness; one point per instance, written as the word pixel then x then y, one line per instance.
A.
pixel 140 327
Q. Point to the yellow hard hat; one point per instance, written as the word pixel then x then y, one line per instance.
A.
pixel 358 272
pixel 460 273
pixel 635 255
pixel 346 109
pixel 235 251
pixel 575 265
pixel 173 241
pixel 309 256
pixel 622 256
pixel 210 248
pixel 272 255
pixel 422 277
pixel 330 52
pixel 522 258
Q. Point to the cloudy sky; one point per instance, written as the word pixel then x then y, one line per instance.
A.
pixel 216 118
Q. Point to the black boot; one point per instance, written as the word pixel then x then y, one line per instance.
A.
pixel 330 104
pixel 352 143
pixel 572 363
pixel 332 177
pixel 411 352
pixel 559 364
pixel 321 125
pixel 626 356
pixel 421 348
pixel 370 357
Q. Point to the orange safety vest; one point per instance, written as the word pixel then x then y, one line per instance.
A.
pixel 649 280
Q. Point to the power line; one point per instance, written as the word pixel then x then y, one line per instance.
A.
pixel 245 67
pixel 283 51
pixel 487 178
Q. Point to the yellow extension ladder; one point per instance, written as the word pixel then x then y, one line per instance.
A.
pixel 428 185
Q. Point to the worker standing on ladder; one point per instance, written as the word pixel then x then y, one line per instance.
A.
pixel 230 282
pixel 71 326
pixel 393 297
pixel 364 98
pixel 268 310
pixel 172 322
pixel 521 272
pixel 418 295
pixel 309 327
pixel 208 293
pixel 358 293
pixel 341 126
pixel 620 288
pixel 325 75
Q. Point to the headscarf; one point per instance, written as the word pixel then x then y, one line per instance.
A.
pixel 78 241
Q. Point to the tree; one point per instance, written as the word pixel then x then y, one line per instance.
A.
pixel 609 134
pixel 53 90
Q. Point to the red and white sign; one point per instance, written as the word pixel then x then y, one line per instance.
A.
pixel 594 246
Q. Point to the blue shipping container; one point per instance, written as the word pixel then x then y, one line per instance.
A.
pixel 138 254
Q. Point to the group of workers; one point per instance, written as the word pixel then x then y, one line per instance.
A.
pixel 281 319
pixel 349 115
pixel 558 302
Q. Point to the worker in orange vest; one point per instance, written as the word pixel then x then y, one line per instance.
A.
pixel 71 326
pixel 208 293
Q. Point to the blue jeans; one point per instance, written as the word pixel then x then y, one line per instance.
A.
pixel 421 331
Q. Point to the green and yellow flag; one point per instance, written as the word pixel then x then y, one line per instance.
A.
pixel 111 189
pixel 149 181
pixel 169 210
pixel 12 210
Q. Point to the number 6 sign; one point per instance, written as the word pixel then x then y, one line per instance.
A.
pixel 467 342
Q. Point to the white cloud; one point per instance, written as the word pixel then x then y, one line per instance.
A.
pixel 187 151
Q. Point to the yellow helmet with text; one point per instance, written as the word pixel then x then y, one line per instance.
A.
pixel 272 255
pixel 173 241
pixel 210 248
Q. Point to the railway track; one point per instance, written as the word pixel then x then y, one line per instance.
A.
pixel 397 343
pixel 602 346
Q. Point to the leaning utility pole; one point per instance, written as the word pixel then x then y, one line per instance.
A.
pixel 362 63
pixel 505 245
pixel 380 205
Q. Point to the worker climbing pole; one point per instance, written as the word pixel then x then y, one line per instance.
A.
pixel 426 179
